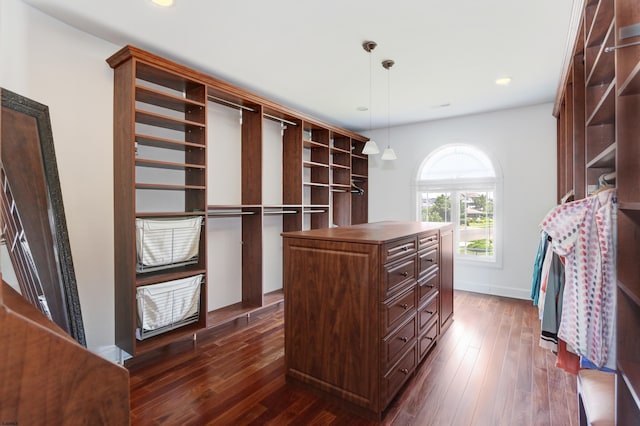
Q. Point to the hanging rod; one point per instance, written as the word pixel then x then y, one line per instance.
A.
pixel 280 212
pixel 315 211
pixel 612 48
pixel 226 102
pixel 229 213
pixel 281 120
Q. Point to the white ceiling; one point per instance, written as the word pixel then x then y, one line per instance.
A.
pixel 307 54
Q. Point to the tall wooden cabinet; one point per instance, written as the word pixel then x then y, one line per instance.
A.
pixel 598 106
pixel 162 145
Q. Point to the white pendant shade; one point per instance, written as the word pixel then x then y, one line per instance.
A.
pixel 389 154
pixel 370 148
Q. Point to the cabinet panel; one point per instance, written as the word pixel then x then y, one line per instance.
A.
pixel 446 277
pixel 327 338
pixel 398 275
pixel 396 310
pixel 427 339
pixel 398 375
pixel 428 285
pixel 399 249
pixel 397 342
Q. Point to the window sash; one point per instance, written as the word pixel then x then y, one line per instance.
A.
pixel 455 214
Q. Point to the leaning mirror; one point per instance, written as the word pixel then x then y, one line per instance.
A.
pixel 34 229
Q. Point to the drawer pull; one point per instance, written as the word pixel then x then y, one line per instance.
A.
pixel 404 339
pixel 428 337
pixel 405 248
pixel 429 260
pixel 404 306
pixel 405 274
pixel 429 312
pixel 427 285
pixel 404 371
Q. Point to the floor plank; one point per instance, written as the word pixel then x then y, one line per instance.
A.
pixel 486 369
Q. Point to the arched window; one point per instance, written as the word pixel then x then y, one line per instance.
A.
pixel 460 184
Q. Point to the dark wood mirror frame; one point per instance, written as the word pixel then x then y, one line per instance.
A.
pixel 29 168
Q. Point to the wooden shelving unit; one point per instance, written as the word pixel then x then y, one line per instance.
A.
pixel 162 133
pixel 607 143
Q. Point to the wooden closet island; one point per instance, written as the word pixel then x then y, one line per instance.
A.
pixel 363 306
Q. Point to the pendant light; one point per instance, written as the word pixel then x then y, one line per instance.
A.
pixel 389 153
pixel 370 147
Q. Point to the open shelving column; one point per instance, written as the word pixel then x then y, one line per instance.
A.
pixel 160 172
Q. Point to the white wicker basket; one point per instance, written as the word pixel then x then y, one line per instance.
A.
pixel 168 305
pixel 165 243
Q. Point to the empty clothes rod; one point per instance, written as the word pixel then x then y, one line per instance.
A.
pixel 280 212
pixel 229 213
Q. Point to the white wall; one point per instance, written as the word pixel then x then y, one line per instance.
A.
pixel 65 69
pixel 522 141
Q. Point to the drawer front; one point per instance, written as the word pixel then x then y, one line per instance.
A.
pixel 428 285
pixel 397 343
pixel 427 313
pixel 398 275
pixel 398 375
pixel 427 339
pixel 427 239
pixel 428 261
pixel 398 249
pixel 396 310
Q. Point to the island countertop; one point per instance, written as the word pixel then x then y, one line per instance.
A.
pixel 372 233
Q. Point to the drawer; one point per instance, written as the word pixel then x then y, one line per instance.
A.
pixel 398 249
pixel 428 285
pixel 398 375
pixel 427 239
pixel 397 342
pixel 398 275
pixel 427 313
pixel 427 339
pixel 427 260
pixel 397 309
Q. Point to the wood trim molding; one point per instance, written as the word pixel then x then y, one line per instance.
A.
pixel 224 89
pixel 570 43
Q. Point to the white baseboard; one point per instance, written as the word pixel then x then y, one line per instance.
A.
pixel 111 353
pixel 515 293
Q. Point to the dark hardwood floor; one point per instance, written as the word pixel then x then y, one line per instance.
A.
pixel 487 369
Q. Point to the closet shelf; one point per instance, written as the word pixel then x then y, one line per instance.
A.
pixel 159 186
pixel 631 85
pixel 359 176
pixel 316 184
pixel 166 100
pixel 339 150
pixel 630 372
pixel 314 145
pixel 167 275
pixel 166 143
pixel 359 157
pixel 604 112
pixel 605 160
pixel 172 123
pixel 168 165
pixel 603 69
pixel 313 164
pixel 600 24
pixel 340 166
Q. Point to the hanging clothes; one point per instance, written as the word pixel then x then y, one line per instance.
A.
pixel 583 232
pixel 537 267
pixel 552 312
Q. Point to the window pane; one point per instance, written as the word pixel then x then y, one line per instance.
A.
pixel 476 227
pixel 457 162
pixel 436 206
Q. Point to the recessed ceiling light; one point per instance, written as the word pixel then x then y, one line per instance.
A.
pixel 162 3
pixel 362 108
pixel 503 81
